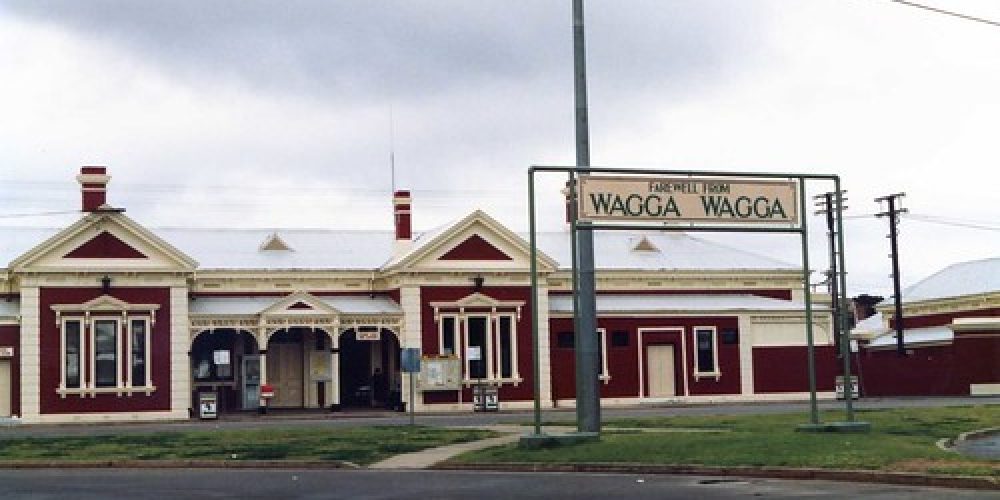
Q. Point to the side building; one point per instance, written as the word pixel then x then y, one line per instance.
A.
pixel 108 320
pixel 951 337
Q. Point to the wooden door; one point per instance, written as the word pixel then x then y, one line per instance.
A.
pixel 4 387
pixel 660 371
pixel 284 372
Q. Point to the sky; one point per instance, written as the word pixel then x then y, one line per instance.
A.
pixel 248 113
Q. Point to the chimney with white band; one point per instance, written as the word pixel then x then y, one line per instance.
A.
pixel 401 213
pixel 94 187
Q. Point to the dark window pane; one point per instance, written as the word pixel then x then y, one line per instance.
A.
pixel 506 354
pixel 619 339
pixel 600 354
pixel 447 335
pixel 565 340
pixel 706 353
pixel 138 378
pixel 105 354
pixel 477 338
pixel 72 343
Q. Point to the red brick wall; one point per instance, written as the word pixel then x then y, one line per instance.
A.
pixel 933 371
pixel 429 337
pixel 623 362
pixel 786 369
pixel 159 400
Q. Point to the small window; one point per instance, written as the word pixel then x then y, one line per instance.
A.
pixel 106 352
pixel 72 334
pixel 730 337
pixel 619 338
pixel 565 340
pixel 448 335
pixel 504 324
pixel 706 360
pixel 137 328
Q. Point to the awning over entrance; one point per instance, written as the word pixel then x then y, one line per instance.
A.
pixel 299 309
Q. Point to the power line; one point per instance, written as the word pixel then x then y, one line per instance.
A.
pixel 952 223
pixel 937 10
pixel 38 214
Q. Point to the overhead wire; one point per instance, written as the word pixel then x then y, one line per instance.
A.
pixel 938 10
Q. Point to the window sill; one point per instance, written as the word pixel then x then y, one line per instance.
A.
pixel 493 381
pixel 94 391
pixel 604 378
pixel 701 375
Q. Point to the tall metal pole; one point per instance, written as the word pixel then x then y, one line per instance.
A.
pixel 810 350
pixel 844 328
pixel 536 365
pixel 588 402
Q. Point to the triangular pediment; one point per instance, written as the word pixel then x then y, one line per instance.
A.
pixel 300 303
pixel 475 248
pixel 478 242
pixel 105 246
pixel 104 241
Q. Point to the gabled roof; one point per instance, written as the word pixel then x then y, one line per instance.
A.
pixel 478 221
pixel 328 249
pixel 965 278
pixel 615 250
pixel 52 252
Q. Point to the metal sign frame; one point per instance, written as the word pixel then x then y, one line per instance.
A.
pixel 802 229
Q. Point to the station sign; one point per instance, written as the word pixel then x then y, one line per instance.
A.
pixel 368 335
pixel 688 200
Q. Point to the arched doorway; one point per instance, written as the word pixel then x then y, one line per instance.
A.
pixel 299 367
pixel 226 362
pixel 369 368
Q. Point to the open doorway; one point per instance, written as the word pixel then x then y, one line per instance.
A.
pixel 369 368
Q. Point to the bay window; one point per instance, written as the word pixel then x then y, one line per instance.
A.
pixel 105 347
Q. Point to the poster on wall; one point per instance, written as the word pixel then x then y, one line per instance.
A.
pixel 319 366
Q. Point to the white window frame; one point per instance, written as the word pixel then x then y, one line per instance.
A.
pixel 515 374
pixel 62 353
pixel 456 336
pixel 602 337
pixel 146 354
pixel 93 352
pixel 699 371
pixel 486 354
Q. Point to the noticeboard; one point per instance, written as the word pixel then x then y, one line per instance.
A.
pixel 440 374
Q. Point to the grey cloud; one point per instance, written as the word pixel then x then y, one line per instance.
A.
pixel 352 49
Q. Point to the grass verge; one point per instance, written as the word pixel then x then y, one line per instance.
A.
pixel 361 445
pixel 901 440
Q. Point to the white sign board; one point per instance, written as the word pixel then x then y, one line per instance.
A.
pixel 473 353
pixel 368 335
pixel 687 199
pixel 221 357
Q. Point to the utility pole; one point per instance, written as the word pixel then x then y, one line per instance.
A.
pixel 893 214
pixel 588 399
pixel 827 204
pixel 833 206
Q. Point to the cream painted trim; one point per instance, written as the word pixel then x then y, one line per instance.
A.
pixel 603 339
pixel 180 345
pixel 30 356
pixel 715 372
pixel 64 418
pixel 984 389
pixel 642 355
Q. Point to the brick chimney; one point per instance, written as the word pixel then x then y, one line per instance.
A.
pixel 401 214
pixel 94 184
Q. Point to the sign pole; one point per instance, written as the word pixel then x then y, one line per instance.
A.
pixel 588 399
pixel 411 400
pixel 810 349
pixel 536 362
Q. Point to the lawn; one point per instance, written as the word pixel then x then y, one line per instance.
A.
pixel 361 446
pixel 900 440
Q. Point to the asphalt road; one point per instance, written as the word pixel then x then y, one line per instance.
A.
pixel 320 418
pixel 365 484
